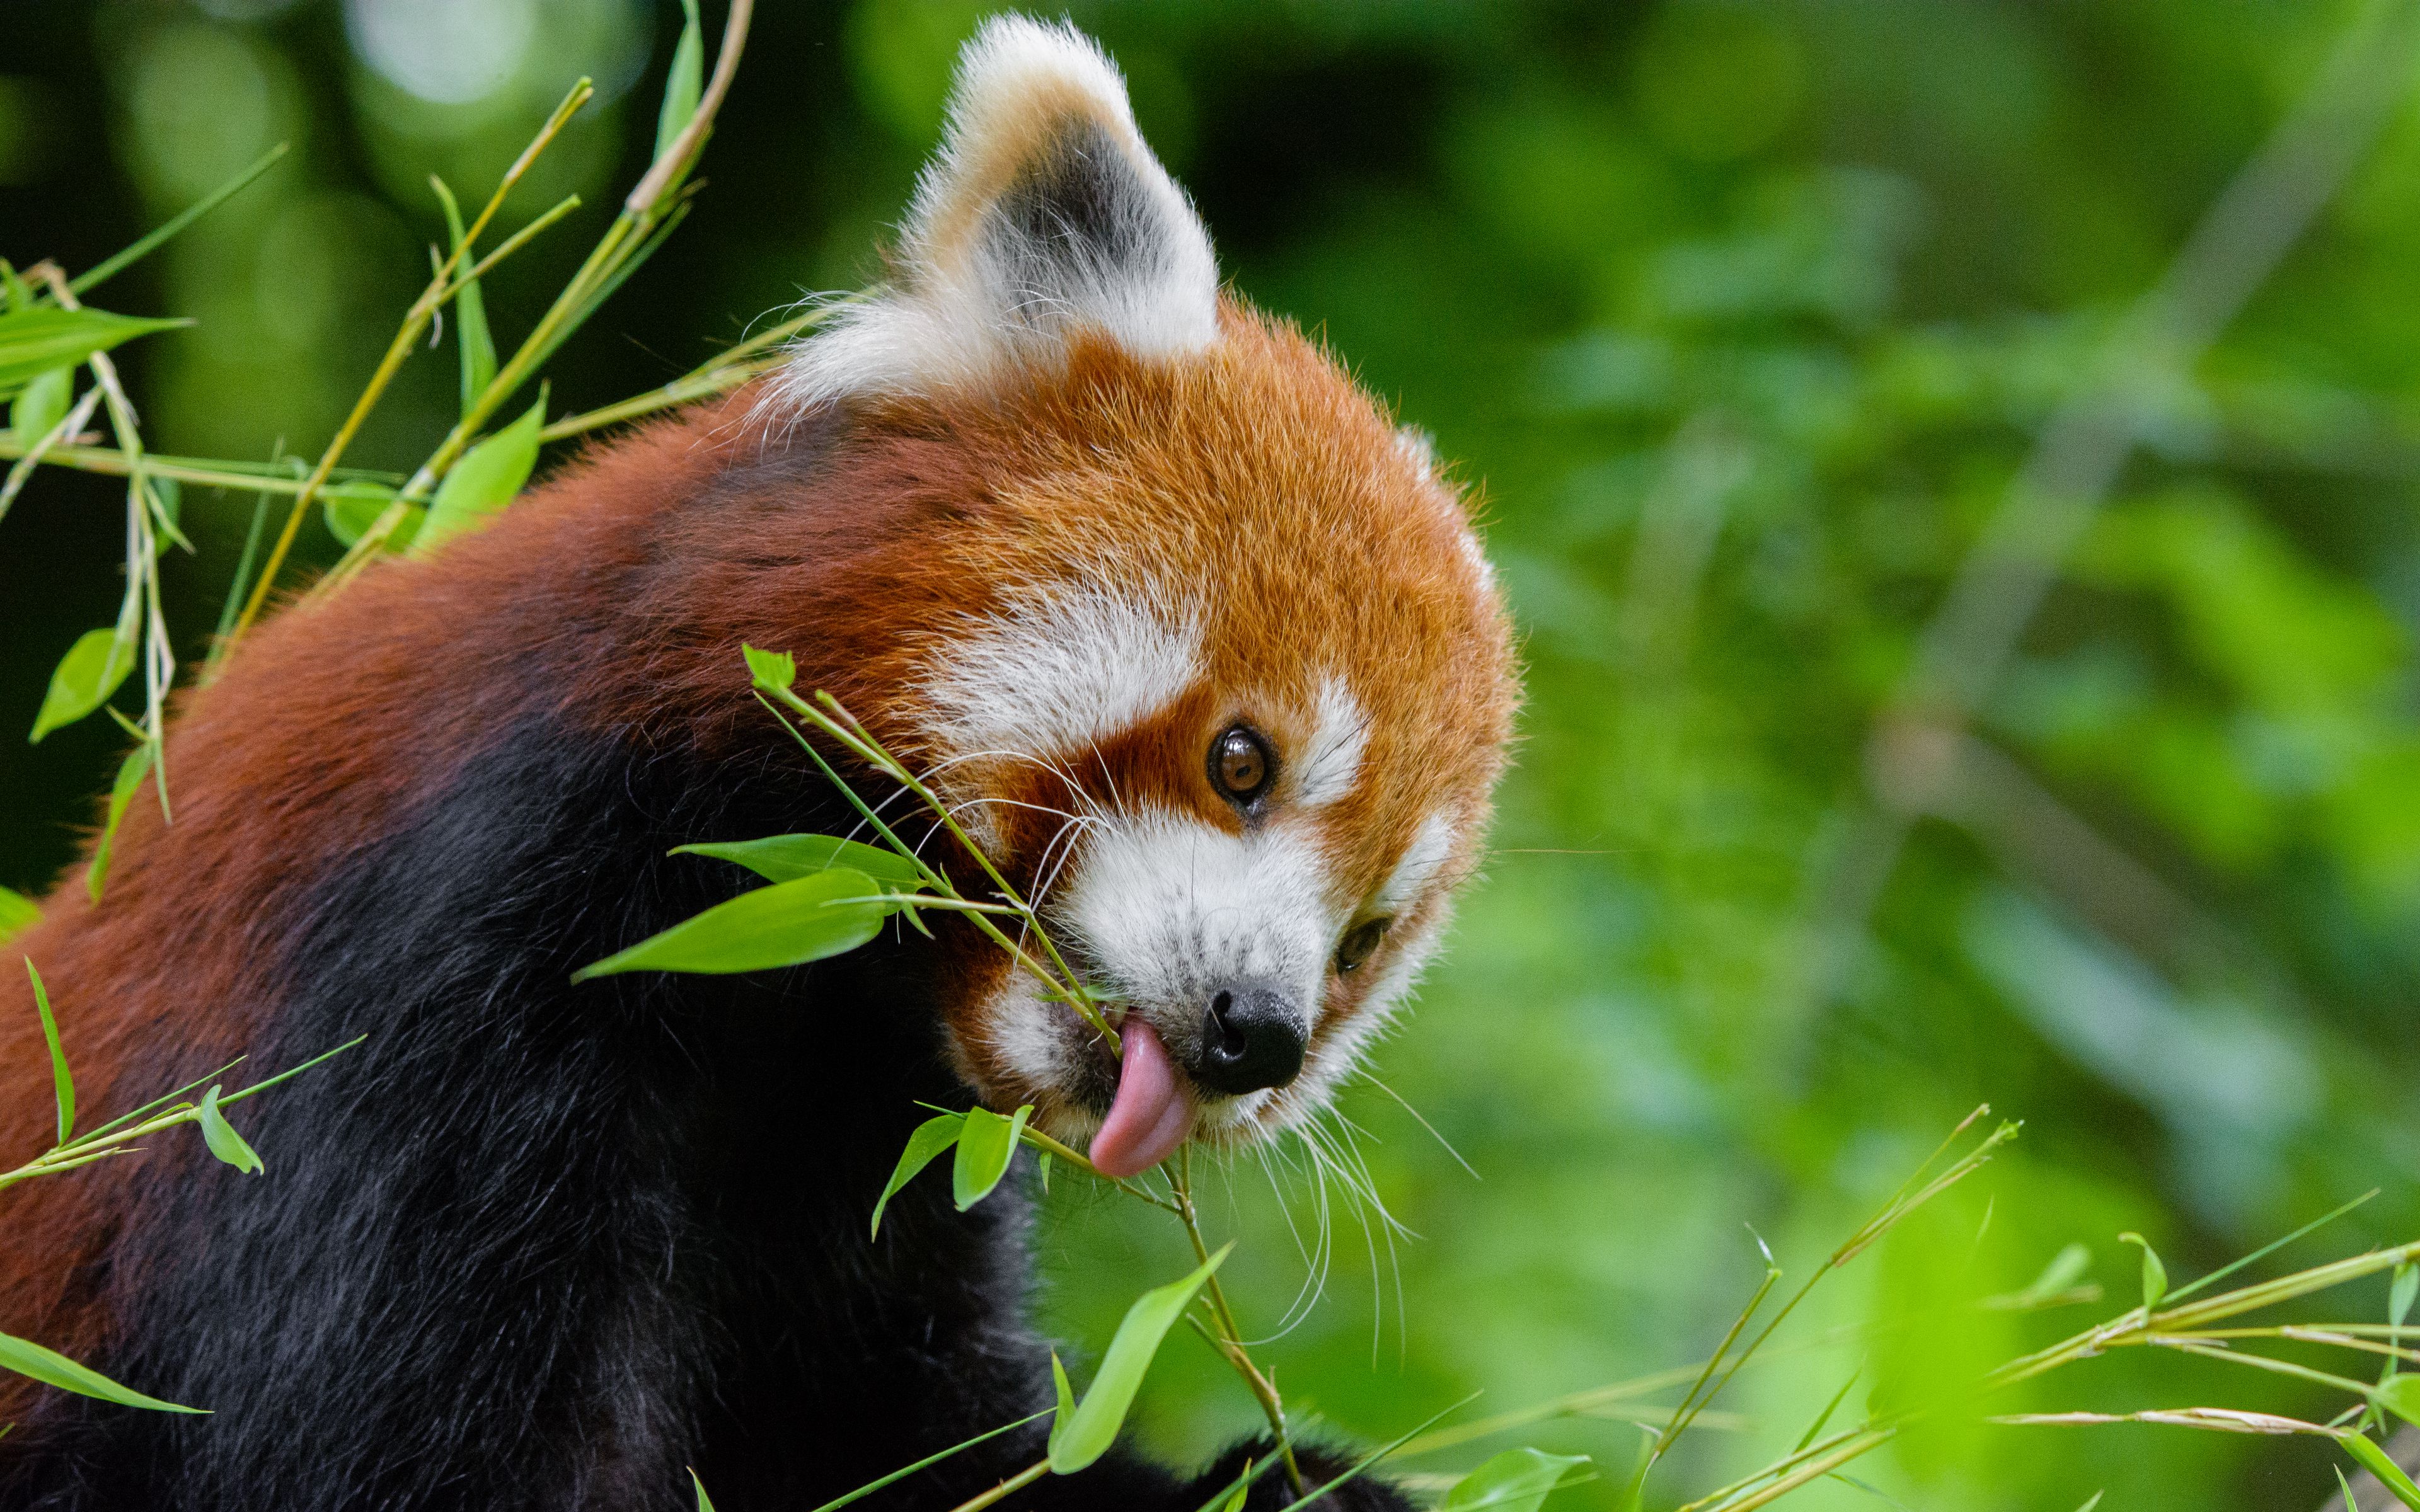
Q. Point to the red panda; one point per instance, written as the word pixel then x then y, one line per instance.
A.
pixel 1202 647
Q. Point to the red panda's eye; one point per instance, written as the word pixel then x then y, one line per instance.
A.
pixel 1239 765
pixel 1358 943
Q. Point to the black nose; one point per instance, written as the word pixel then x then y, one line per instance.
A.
pixel 1251 1037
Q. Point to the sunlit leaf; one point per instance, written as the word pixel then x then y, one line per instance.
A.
pixel 92 670
pixel 1517 1480
pixel 53 1368
pixel 485 481
pixel 931 1137
pixel 704 1503
pixel 62 1080
pixel 17 913
pixel 1083 1434
pixel 787 858
pixel 2402 1397
pixel 773 670
pixel 684 84
pixel 224 1141
pixel 130 773
pixel 986 1147
pixel 786 924
pixel 46 338
pixel 42 403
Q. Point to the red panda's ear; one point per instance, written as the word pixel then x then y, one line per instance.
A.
pixel 1042 214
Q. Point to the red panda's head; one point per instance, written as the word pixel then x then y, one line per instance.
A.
pixel 1215 665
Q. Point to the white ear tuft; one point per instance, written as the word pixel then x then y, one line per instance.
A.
pixel 1042 214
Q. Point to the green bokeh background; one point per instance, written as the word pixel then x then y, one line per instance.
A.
pixel 1742 316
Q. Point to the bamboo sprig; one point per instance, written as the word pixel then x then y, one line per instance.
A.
pixel 1228 1338
pixel 424 309
pixel 116 1137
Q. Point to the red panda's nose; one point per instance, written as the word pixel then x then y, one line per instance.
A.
pixel 1251 1037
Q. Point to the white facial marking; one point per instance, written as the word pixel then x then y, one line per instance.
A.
pixel 1044 212
pixel 1431 848
pixel 1333 757
pixel 1173 909
pixel 1059 671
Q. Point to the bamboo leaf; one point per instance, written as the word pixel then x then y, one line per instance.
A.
pixel 1517 1480
pixel 224 1141
pixel 931 1137
pixel 2400 1395
pixel 2155 1275
pixel 17 913
pixel 2399 1295
pixel 786 924
pixel 471 334
pixel 350 516
pixel 53 1368
pixel 986 1147
pixel 704 1503
pixel 130 773
pixel 62 1080
pixel 42 403
pixel 683 83
pixel 1082 1435
pixel 485 481
pixel 92 670
pixel 773 671
pixel 46 338
pixel 2377 1463
pixel 143 247
pixel 787 858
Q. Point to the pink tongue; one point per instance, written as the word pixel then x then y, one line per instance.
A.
pixel 1152 1113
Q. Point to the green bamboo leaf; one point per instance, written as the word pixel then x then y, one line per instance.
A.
pixel 471 334
pixel 2399 1295
pixel 986 1147
pixel 36 341
pixel 62 1080
pixel 224 1141
pixel 786 924
pixel 486 480
pixel 92 670
pixel 2155 1275
pixel 53 1368
pixel 787 858
pixel 772 670
pixel 684 84
pixel 121 796
pixel 119 261
pixel 17 913
pixel 1517 1480
pixel 704 1503
pixel 350 516
pixel 931 1137
pixel 1065 1391
pixel 2377 1463
pixel 1082 1435
pixel 2402 1397
pixel 42 403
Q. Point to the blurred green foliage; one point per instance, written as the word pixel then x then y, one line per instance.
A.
pixel 1743 318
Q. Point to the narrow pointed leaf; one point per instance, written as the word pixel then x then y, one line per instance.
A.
pixel 2400 1395
pixel 787 858
pixel 17 913
pixel 224 1141
pixel 1517 1480
pixel 986 1147
pixel 786 924
pixel 350 516
pixel 2155 1275
pixel 118 262
pixel 704 1503
pixel 479 346
pixel 683 83
pixel 53 1368
pixel 93 669
pixel 130 773
pixel 33 342
pixel 62 1081
pixel 485 481
pixel 42 403
pixel 2378 1463
pixel 1079 1437
pixel 931 1137
pixel 2399 1295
